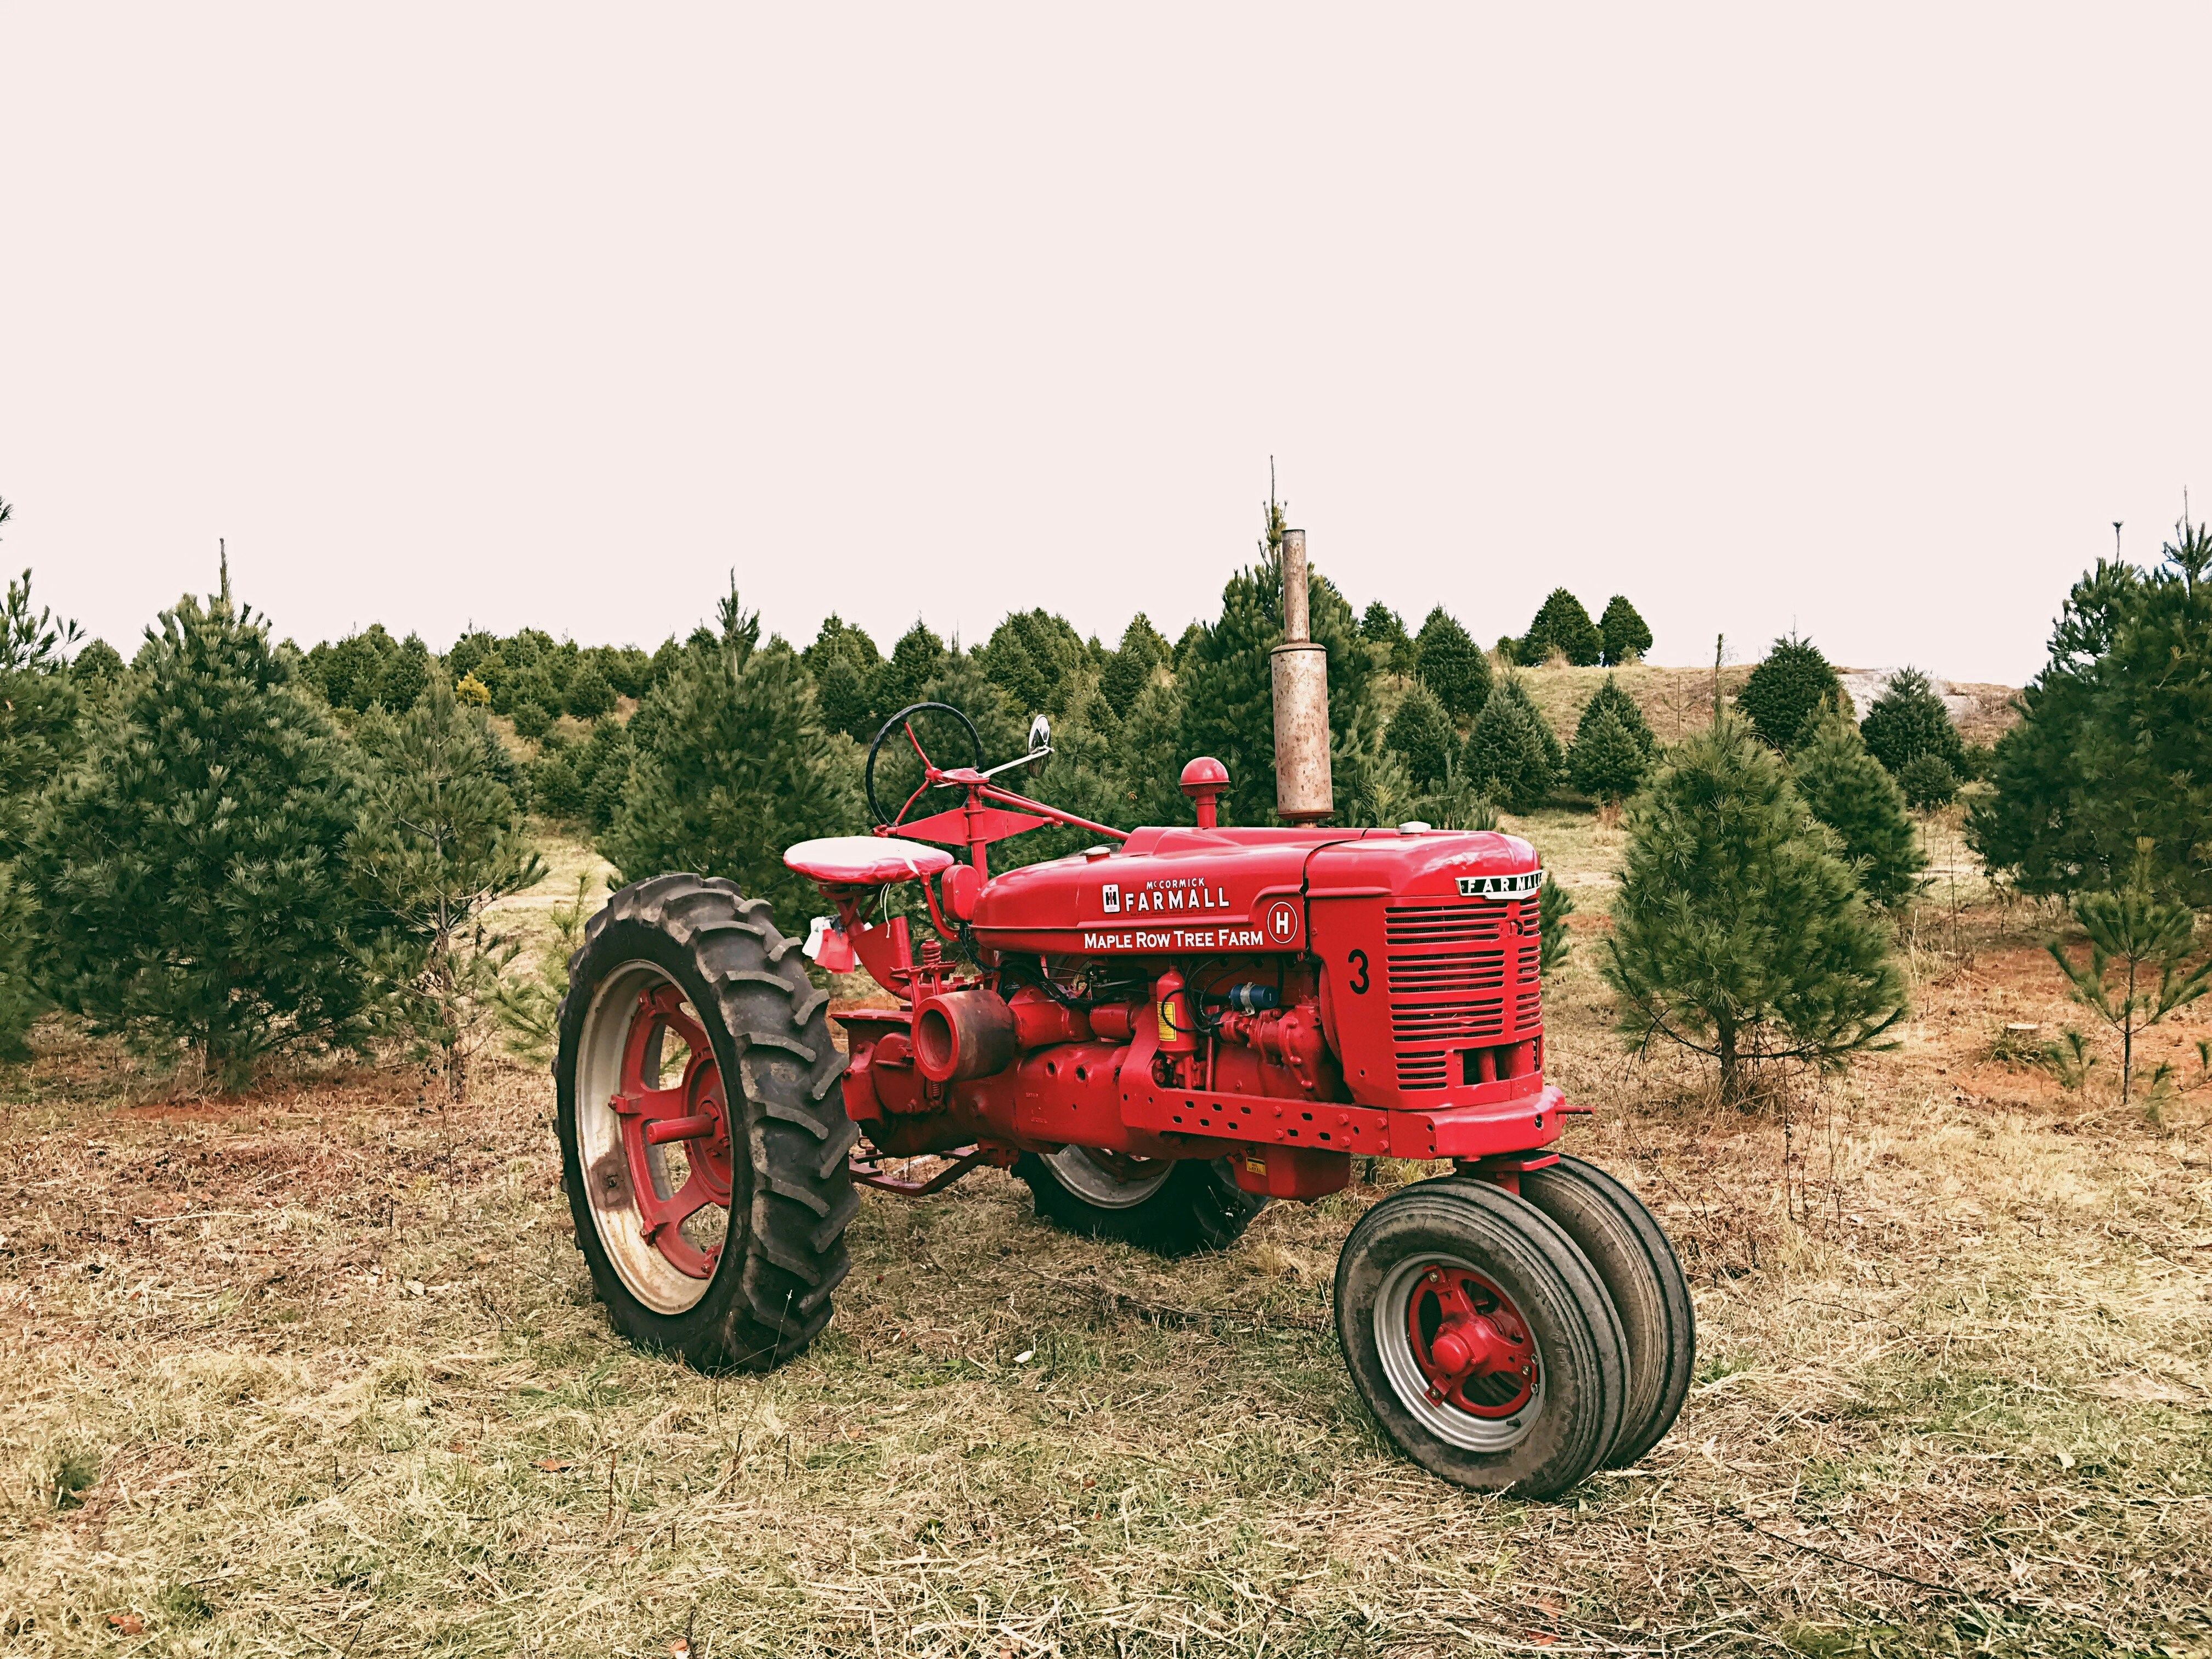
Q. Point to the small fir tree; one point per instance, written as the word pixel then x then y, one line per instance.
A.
pixel 1624 709
pixel 1384 632
pixel 1515 686
pixel 1928 782
pixel 1847 788
pixel 1624 635
pixel 1785 688
pixel 41 696
pixel 1015 671
pixel 403 675
pixel 1504 759
pixel 1607 762
pixel 916 658
pixel 589 695
pixel 1554 905
pixel 1458 802
pixel 99 663
pixel 1130 669
pixel 529 1007
pixel 1561 625
pixel 440 839
pixel 190 870
pixel 1737 933
pixel 740 767
pixel 2134 934
pixel 1452 665
pixel 1420 733
pixel 472 692
pixel 532 720
pixel 1909 719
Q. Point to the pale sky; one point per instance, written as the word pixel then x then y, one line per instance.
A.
pixel 1868 321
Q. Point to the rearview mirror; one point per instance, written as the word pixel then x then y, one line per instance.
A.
pixel 1040 744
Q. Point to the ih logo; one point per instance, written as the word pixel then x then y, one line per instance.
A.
pixel 1109 898
pixel 1282 922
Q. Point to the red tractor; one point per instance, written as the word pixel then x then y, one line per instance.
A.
pixel 1158 1035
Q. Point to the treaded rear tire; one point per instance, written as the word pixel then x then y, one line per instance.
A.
pixel 791 1191
pixel 1200 1207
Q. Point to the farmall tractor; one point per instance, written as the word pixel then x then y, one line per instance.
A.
pixel 1158 1035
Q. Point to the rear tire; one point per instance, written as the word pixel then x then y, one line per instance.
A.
pixel 693 955
pixel 1189 1206
pixel 1644 1276
pixel 1420 1262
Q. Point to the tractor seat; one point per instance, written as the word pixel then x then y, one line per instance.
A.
pixel 866 860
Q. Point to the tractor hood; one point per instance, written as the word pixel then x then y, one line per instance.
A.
pixel 1176 891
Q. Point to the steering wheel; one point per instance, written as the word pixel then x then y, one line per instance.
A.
pixel 903 721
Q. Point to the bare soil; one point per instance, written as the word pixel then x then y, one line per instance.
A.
pixel 318 1369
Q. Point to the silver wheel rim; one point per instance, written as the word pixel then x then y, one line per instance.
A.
pixel 1095 1184
pixel 646 1273
pixel 1394 1343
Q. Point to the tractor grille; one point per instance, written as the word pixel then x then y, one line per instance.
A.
pixel 1459 977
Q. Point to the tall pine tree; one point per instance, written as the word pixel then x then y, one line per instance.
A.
pixel 1624 635
pixel 1737 933
pixel 191 871
pixel 1561 624
pixel 1450 664
pixel 1789 683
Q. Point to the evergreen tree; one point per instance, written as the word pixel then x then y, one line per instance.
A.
pixel 1015 671
pixel 1130 669
pixel 1847 788
pixel 403 675
pixel 1421 734
pixel 1554 905
pixel 530 1007
pixel 532 720
pixel 741 767
pixel 1561 624
pixel 1452 665
pixel 1789 683
pixel 1152 756
pixel 40 697
pixel 1736 933
pixel 1909 719
pixel 2114 742
pixel 1927 782
pixel 1622 632
pixel 1228 689
pixel 440 839
pixel 602 767
pixel 1624 709
pixel 914 660
pixel 842 687
pixel 1515 686
pixel 1384 631
pixel 589 694
pixel 190 870
pixel 1505 758
pixel 99 661
pixel 472 691
pixel 2131 929
pixel 1607 763
pixel 1185 641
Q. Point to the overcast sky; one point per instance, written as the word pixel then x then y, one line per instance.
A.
pixel 1868 324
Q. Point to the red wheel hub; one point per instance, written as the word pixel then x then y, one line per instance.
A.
pixel 694 1114
pixel 1471 1343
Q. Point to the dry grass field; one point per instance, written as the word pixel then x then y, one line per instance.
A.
pixel 317 1370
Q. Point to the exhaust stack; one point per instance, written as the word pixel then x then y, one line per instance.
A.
pixel 1301 685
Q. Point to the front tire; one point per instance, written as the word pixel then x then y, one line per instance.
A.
pixel 712 1208
pixel 1170 1207
pixel 1480 1339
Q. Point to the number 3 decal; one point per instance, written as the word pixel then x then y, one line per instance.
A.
pixel 1359 961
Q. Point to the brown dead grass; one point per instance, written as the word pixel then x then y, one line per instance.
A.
pixel 318 1369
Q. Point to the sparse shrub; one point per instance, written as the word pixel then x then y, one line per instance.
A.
pixel 1561 625
pixel 1450 664
pixel 1624 634
pixel 191 871
pixel 1791 682
pixel 1909 719
pixel 1736 933
pixel 530 1007
pixel 1420 732
pixel 1928 781
pixel 1847 789
pixel 532 720
pixel 440 838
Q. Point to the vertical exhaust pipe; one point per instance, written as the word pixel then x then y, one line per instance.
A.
pixel 1300 670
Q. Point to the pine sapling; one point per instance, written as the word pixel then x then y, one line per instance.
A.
pixel 2133 936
